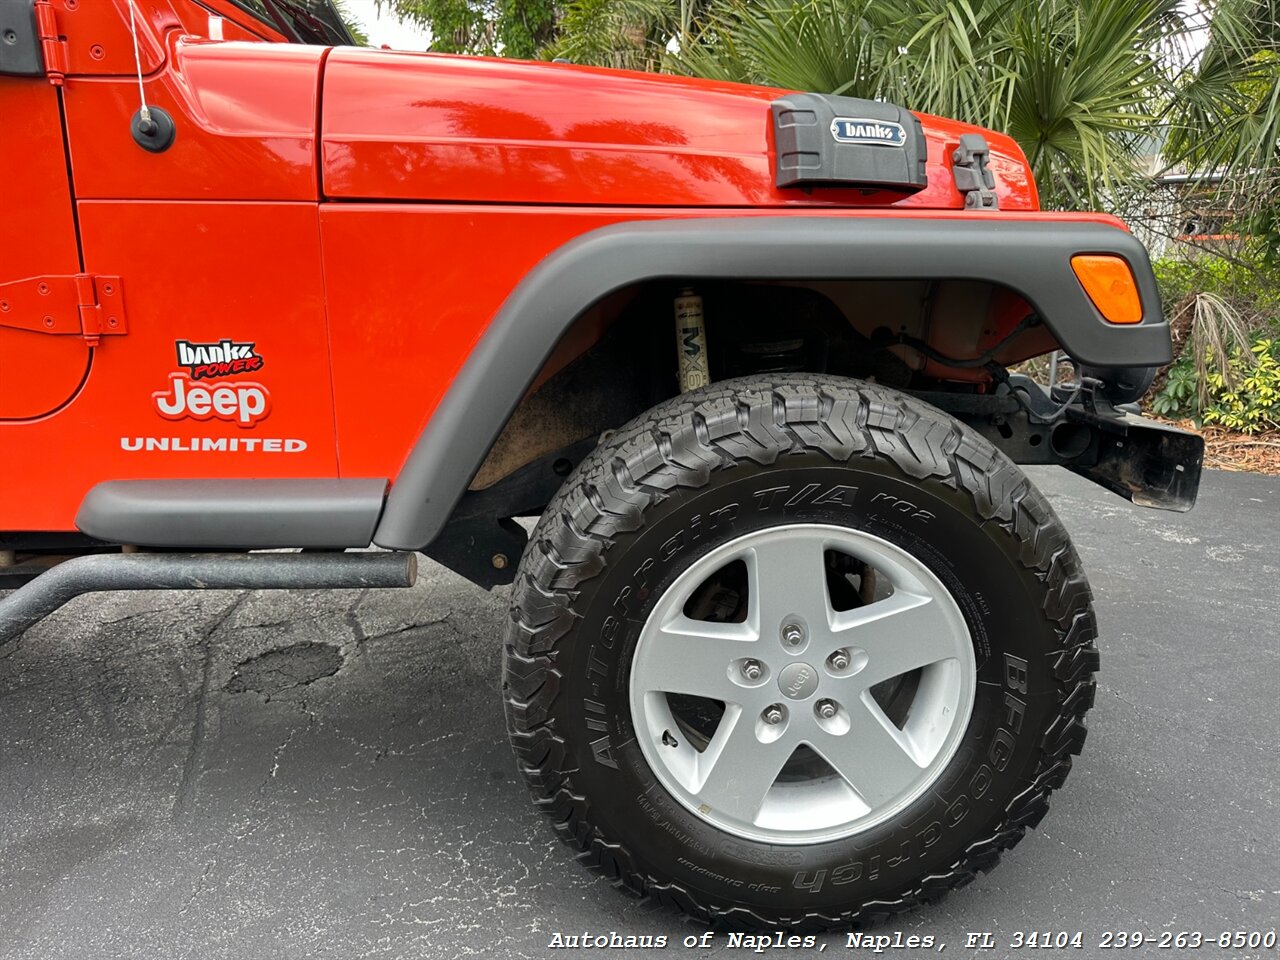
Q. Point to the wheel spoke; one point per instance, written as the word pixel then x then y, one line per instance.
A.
pixel 736 769
pixel 901 633
pixel 872 756
pixel 788 578
pixel 694 657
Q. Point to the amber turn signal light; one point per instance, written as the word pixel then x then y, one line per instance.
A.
pixel 1110 285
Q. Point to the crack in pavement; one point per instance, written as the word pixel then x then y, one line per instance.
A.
pixel 352 618
pixel 185 794
pixel 199 888
pixel 312 722
pixel 407 628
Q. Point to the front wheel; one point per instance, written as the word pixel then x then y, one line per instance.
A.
pixel 797 652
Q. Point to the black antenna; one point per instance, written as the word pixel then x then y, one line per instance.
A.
pixel 152 127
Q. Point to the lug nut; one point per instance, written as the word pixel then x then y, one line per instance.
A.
pixel 827 709
pixel 751 669
pixel 838 660
pixel 772 714
pixel 792 634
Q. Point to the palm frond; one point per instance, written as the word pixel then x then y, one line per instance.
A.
pixel 1218 333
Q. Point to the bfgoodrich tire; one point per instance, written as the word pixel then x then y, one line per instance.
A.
pixel 743 612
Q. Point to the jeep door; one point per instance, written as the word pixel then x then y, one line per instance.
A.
pixel 43 359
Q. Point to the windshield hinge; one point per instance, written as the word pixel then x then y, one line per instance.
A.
pixel 52 44
pixel 83 304
pixel 973 179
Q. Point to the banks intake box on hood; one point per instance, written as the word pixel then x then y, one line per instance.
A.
pixel 843 141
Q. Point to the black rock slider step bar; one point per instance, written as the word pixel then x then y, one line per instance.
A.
pixel 31 603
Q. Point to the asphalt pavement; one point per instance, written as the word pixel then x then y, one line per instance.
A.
pixel 267 775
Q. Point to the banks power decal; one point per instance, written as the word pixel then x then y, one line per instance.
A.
pixel 226 358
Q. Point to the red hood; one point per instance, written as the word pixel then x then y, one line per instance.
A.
pixel 409 126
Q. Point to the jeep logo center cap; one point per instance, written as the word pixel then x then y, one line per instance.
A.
pixel 798 681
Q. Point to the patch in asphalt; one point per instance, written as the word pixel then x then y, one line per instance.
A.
pixel 285 668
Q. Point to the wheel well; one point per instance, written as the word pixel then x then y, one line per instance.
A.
pixel 618 358
pixel 1030 255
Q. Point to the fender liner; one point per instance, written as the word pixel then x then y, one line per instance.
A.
pixel 1030 255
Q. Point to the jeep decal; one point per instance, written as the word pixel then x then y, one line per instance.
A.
pixel 243 402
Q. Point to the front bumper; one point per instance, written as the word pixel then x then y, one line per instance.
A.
pixel 1147 462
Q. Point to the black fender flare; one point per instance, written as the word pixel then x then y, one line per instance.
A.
pixel 1029 254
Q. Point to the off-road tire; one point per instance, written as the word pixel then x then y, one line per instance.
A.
pixel 576 611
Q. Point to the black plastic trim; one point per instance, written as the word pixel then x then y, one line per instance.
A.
pixel 1029 255
pixel 812 150
pixel 226 514
pixel 21 53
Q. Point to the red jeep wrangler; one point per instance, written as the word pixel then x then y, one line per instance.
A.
pixel 794 643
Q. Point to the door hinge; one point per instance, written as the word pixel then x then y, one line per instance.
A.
pixel 52 44
pixel 83 304
pixel 973 179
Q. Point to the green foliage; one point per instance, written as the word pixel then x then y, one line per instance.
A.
pixel 1179 396
pixel 513 28
pixel 1253 404
pixel 829 46
pixel 1243 396
pixel 526 26
pixel 1226 374
pixel 1224 119
pixel 1246 283
pixel 1179 276
pixel 1234 92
